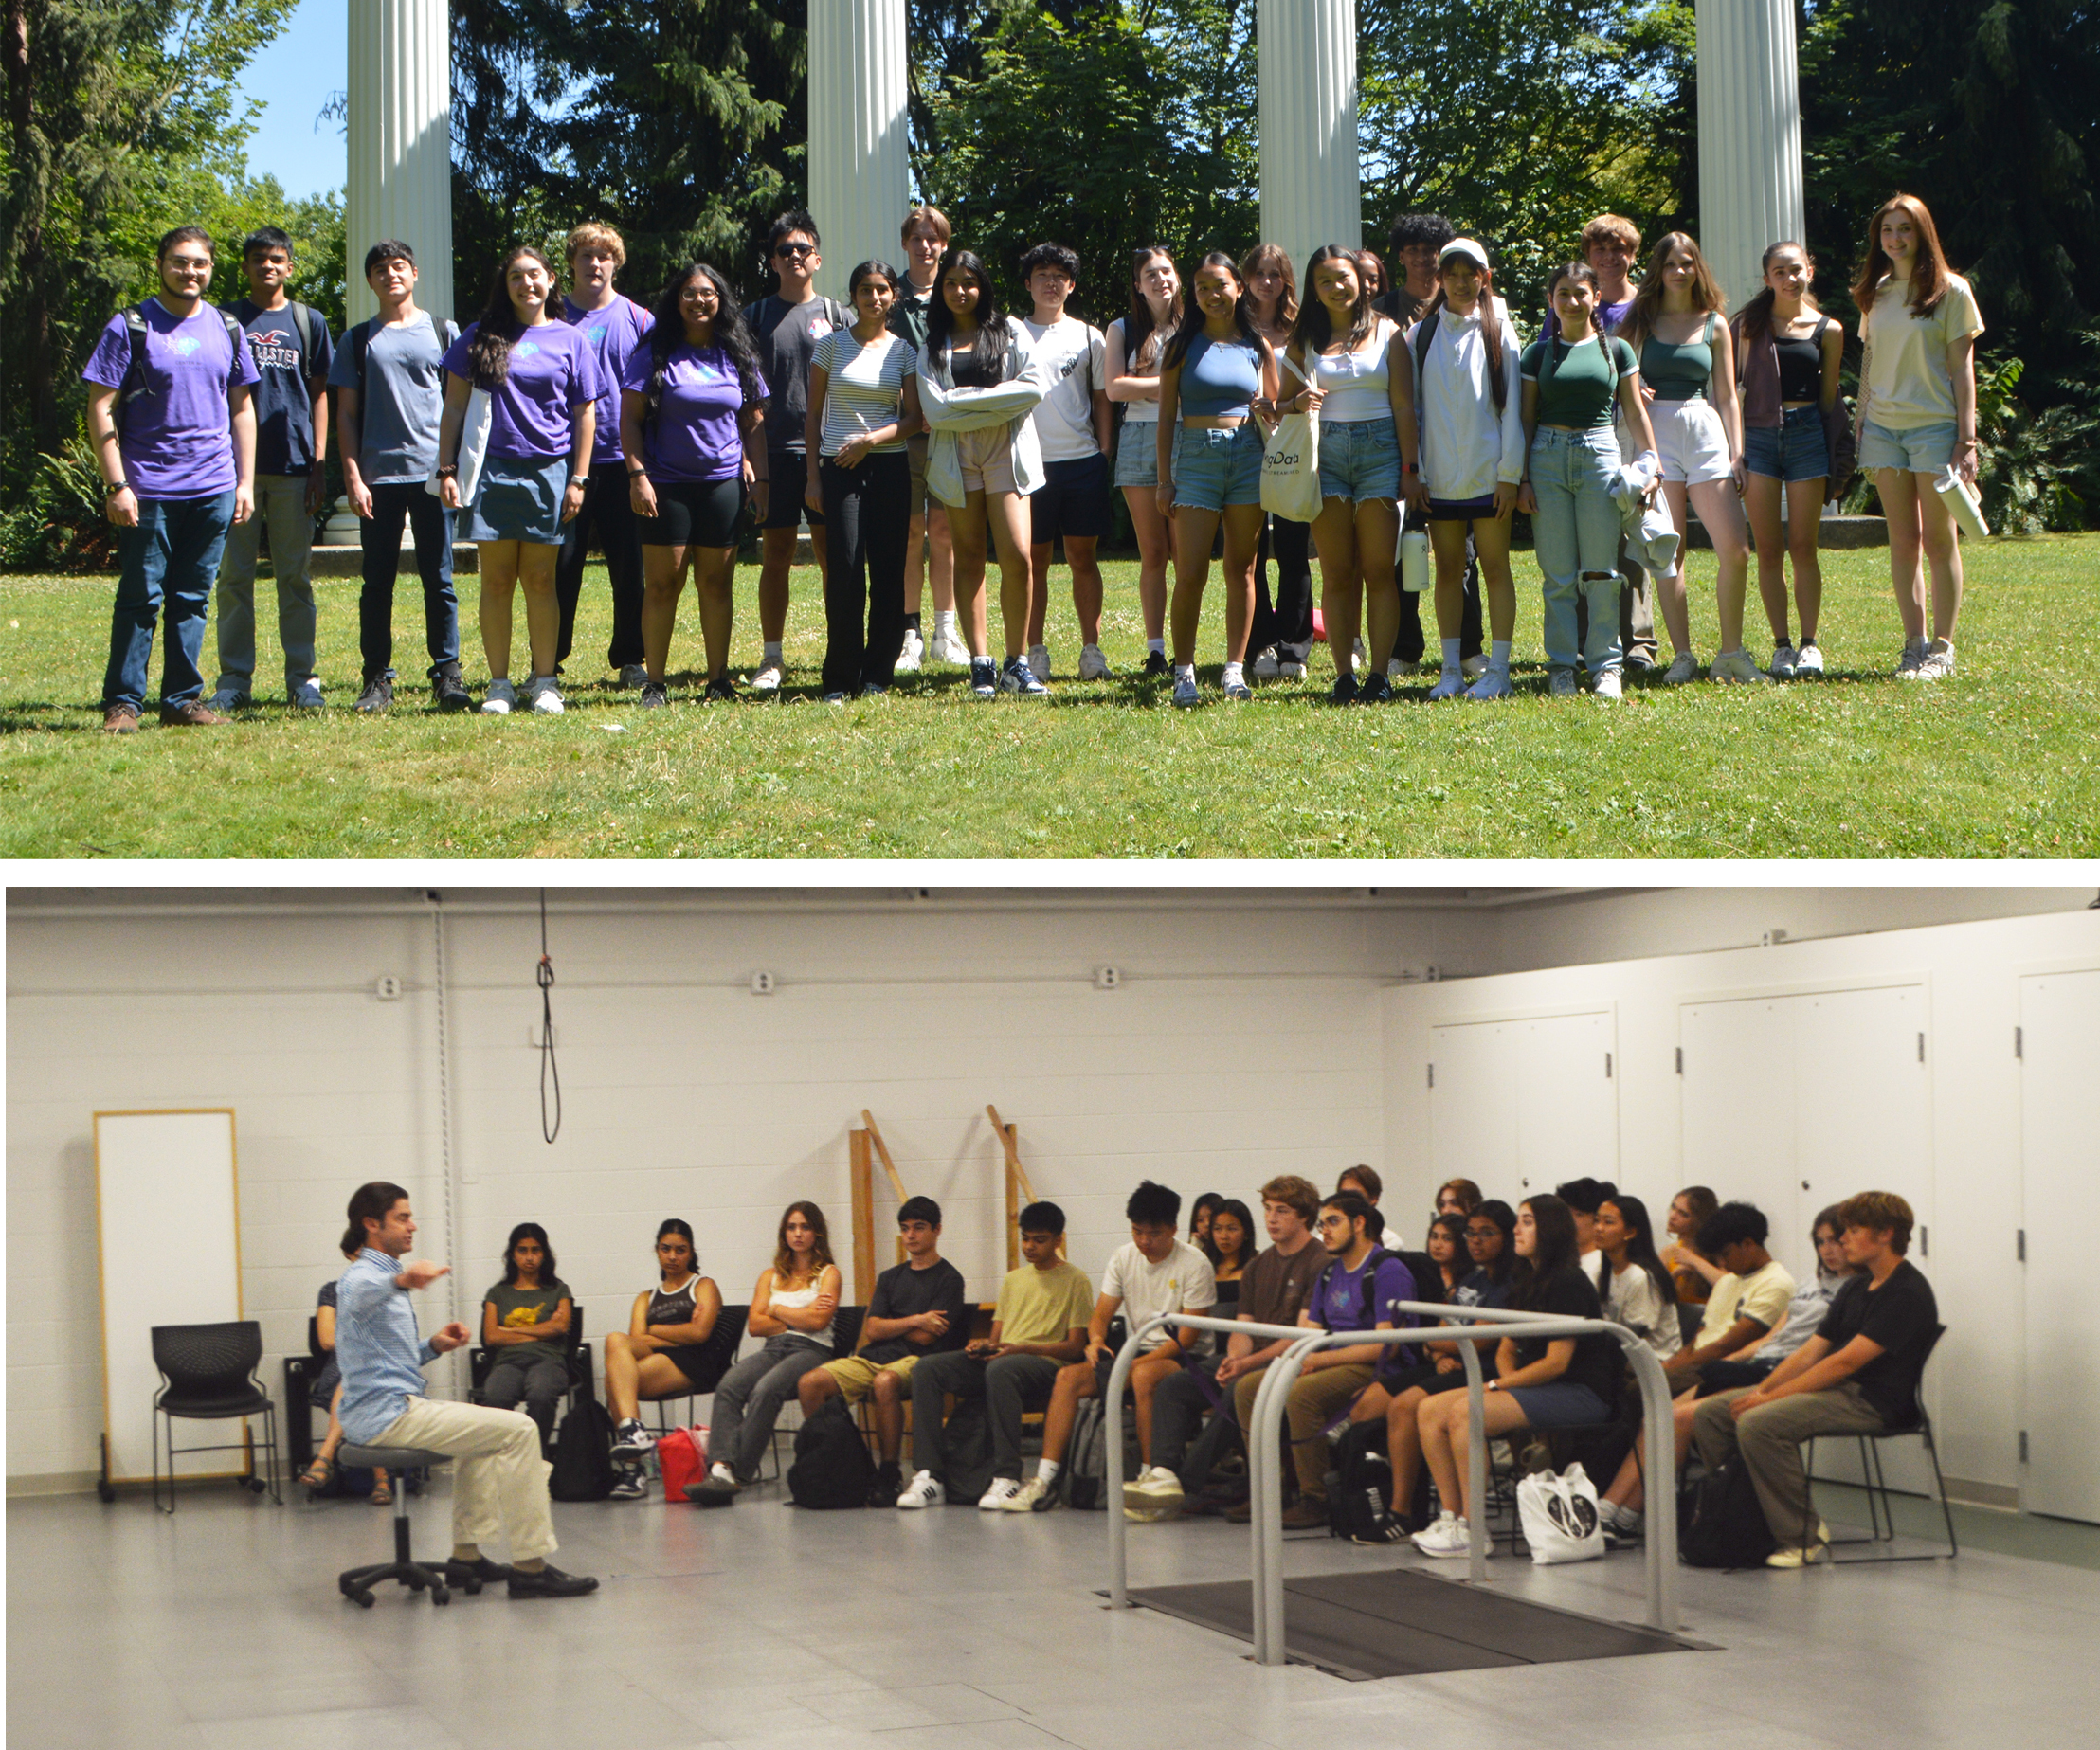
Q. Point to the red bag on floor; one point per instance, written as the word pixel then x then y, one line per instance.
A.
pixel 681 1458
pixel 1319 627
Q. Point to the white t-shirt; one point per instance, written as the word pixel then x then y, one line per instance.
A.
pixel 1632 1299
pixel 1075 355
pixel 1907 384
pixel 1183 1281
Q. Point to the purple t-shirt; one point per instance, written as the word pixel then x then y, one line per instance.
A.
pixel 1338 1300
pixel 1608 319
pixel 177 438
pixel 553 371
pixel 694 436
pixel 614 334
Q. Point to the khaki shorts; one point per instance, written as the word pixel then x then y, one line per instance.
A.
pixel 856 1374
pixel 987 459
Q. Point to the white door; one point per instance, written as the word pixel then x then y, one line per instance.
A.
pixel 1471 1114
pixel 1533 1101
pixel 1737 1094
pixel 2059 1123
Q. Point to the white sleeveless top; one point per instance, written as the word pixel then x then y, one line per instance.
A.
pixel 1355 383
pixel 797 1299
pixel 1141 413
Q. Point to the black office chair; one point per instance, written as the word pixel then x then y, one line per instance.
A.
pixel 356 1584
pixel 1880 1515
pixel 718 1357
pixel 208 1374
pixel 300 1371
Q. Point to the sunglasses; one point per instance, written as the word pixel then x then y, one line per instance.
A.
pixel 788 251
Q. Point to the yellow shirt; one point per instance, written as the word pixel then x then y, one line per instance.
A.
pixel 1907 384
pixel 1764 1295
pixel 1043 1306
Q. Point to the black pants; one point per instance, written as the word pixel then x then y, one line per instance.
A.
pixel 868 511
pixel 1289 620
pixel 609 510
pixel 393 504
pixel 1413 642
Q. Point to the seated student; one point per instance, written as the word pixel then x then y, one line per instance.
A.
pixel 525 1321
pixel 326 1393
pixel 1540 1382
pixel 1858 1374
pixel 1366 1182
pixel 793 1309
pixel 1581 1195
pixel 1156 1272
pixel 1446 1246
pixel 1037 1326
pixel 1632 1283
pixel 918 1308
pixel 1696 1272
pixel 1804 1312
pixel 1747 1303
pixel 659 1352
pixel 1457 1196
pixel 1228 1244
pixel 1199 1218
pixel 1273 1291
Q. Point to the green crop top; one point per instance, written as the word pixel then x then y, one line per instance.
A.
pixel 1679 372
pixel 1581 389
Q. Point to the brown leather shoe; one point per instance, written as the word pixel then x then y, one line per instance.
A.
pixel 189 714
pixel 120 720
pixel 1307 1513
pixel 1239 1513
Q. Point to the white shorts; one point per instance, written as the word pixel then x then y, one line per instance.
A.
pixel 1689 437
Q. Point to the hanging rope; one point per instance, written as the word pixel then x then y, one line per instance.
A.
pixel 548 1067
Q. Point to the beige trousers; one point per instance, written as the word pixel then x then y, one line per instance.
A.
pixel 498 1479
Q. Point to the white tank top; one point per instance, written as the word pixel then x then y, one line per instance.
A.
pixel 1355 383
pixel 1145 365
pixel 797 1299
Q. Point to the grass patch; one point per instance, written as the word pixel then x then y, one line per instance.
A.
pixel 2002 761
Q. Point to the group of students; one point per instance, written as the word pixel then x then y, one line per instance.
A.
pixel 920 429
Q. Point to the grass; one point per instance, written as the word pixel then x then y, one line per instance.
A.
pixel 2002 761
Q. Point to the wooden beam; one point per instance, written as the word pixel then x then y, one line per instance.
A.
pixel 1020 1193
pixel 889 1166
pixel 863 1216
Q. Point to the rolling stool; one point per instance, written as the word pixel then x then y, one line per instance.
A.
pixel 356 1584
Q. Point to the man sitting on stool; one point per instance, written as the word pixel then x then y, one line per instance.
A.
pixel 500 1479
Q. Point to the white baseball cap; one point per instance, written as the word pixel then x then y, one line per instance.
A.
pixel 1465 246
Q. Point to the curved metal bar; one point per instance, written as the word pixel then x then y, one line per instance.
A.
pixel 1476 1464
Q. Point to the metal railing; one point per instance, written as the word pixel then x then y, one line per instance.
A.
pixel 1271 1397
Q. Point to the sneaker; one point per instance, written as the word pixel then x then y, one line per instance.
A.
pixel 307 696
pixel 1357 651
pixel 719 1489
pixel 228 700
pixel 655 696
pixel 834 698
pixel 632 1440
pixel 1392 1529
pixel 1475 666
pixel 1186 695
pixel 1039 660
pixel 1913 654
pixel 1785 659
pixel 545 693
pixel 1239 692
pixel 189 715
pixel 1344 692
pixel 720 691
pixel 1449 685
pixel 1156 1489
pixel 1938 663
pixel 1608 686
pixel 1449 1536
pixel 446 689
pixel 1268 665
pixel 1400 668
pixel 634 675
pixel 1376 689
pixel 501 696
pixel 910 653
pixel 888 1487
pixel 1290 662
pixel 768 678
pixel 1003 1489
pixel 1018 676
pixel 874 690
pixel 550 1582
pixel 1638 661
pixel 1156 664
pixel 1799 1557
pixel 630 1485
pixel 1737 668
pixel 1494 684
pixel 1307 1513
pixel 1034 1496
pixel 1684 666
pixel 923 1490
pixel 1561 684
pixel 984 677
pixel 120 720
pixel 1808 659
pixel 948 647
pixel 1094 665
pixel 376 697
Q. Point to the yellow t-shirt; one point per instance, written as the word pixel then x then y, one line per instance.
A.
pixel 1764 1295
pixel 1041 1305
pixel 1907 385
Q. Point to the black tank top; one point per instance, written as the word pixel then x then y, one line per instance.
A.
pixel 673 1308
pixel 1800 365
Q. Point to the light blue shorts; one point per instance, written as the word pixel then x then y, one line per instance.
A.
pixel 1214 468
pixel 1137 452
pixel 1360 461
pixel 1921 449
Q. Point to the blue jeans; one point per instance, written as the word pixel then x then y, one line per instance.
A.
pixel 170 557
pixel 1575 535
pixel 1360 461
pixel 1214 466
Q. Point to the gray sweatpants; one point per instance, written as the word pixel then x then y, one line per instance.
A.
pixel 279 504
pixel 1770 1438
pixel 1006 1384
pixel 751 1396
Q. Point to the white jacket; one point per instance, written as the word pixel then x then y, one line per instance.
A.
pixel 1466 450
pixel 949 410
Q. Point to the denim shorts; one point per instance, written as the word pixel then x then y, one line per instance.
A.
pixel 1921 449
pixel 1137 452
pixel 1360 461
pixel 1215 467
pixel 1798 449
pixel 1558 1404
pixel 519 499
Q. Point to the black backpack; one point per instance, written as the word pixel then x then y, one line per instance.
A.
pixel 1363 1481
pixel 832 1467
pixel 967 1436
pixel 583 1453
pixel 1726 1528
pixel 1086 1465
pixel 135 384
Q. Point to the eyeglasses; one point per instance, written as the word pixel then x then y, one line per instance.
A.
pixel 787 251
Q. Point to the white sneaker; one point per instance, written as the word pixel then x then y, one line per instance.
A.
pixel 1684 666
pixel 1913 654
pixel 1399 668
pixel 1475 666
pixel 1561 684
pixel 1494 684
pixel 1291 660
pixel 1034 1496
pixel 1094 665
pixel 634 675
pixel 1785 659
pixel 948 647
pixel 1003 1489
pixel 910 653
pixel 1608 686
pixel 1798 1557
pixel 1737 668
pixel 1039 660
pixel 500 698
pixel 545 693
pixel 1938 663
pixel 768 678
pixel 1357 651
pixel 1449 685
pixel 630 1485
pixel 1155 1493
pixel 1808 659
pixel 307 696
pixel 1186 694
pixel 1268 665
pixel 923 1490
pixel 1449 1536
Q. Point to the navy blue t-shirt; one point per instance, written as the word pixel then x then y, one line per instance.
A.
pixel 283 404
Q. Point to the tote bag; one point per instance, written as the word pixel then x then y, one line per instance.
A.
pixel 1290 465
pixel 474 449
pixel 1559 1515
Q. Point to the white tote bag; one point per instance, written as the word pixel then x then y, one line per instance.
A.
pixel 1559 1515
pixel 1290 465
pixel 474 449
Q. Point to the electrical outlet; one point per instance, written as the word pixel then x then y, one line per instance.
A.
pixel 1107 978
pixel 762 983
pixel 387 987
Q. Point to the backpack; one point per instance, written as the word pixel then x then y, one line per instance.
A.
pixel 832 1467
pixel 966 1437
pixel 1363 1481
pixel 134 384
pixel 1378 1255
pixel 360 339
pixel 1086 1465
pixel 583 1453
pixel 1726 1528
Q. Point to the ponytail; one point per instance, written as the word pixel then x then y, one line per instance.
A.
pixel 369 1201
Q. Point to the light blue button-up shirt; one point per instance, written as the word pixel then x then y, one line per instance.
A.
pixel 376 1346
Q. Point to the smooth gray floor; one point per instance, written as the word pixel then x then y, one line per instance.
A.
pixel 949 1630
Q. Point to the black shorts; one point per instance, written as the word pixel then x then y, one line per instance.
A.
pixel 1461 509
pixel 689 1361
pixel 1073 501
pixel 694 513
pixel 789 474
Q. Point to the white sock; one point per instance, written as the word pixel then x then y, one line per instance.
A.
pixel 772 652
pixel 1451 653
pixel 1187 669
pixel 944 620
pixel 1499 656
pixel 1156 646
pixel 1046 1472
pixel 1234 671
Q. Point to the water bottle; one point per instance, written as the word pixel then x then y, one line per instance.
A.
pixel 1414 561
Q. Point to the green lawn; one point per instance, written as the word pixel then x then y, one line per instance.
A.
pixel 2002 761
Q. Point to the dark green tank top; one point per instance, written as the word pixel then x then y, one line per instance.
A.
pixel 1678 372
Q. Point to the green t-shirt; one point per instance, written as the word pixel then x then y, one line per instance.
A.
pixel 517 1305
pixel 1580 391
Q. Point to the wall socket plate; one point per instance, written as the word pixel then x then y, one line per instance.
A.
pixel 762 983
pixel 387 987
pixel 1107 978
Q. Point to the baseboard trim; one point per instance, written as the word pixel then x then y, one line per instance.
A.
pixel 53 1482
pixel 1972 1493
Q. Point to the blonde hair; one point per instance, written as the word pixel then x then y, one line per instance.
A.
pixel 595 236
pixel 1610 227
pixel 1264 256
pixel 1639 322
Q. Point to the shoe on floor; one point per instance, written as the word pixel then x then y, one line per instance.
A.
pixel 307 696
pixel 1156 664
pixel 634 675
pixel 545 694
pixel 1494 684
pixel 1475 666
pixel 1094 665
pixel 1344 692
pixel 1913 654
pixel 550 1582
pixel 1039 660
pixel 228 700
pixel 768 678
pixel 1449 685
pixel 1186 695
pixel 983 677
pixel 632 1440
pixel 1609 685
pixel 923 1490
pixel 1237 691
pixel 1938 663
pixel 447 689
pixel 120 720
pixel 1308 1512
pixel 1400 668
pixel 887 1489
pixel 911 652
pixel 1561 684
pixel 1684 666
pixel 1449 1536
pixel 1268 665
pixel 1392 1529
pixel 1799 1557
pixel 1376 689
pixel 1034 1496
pixel 720 691
pixel 501 696
pixel 377 695
pixel 948 647
pixel 1019 677
pixel 1239 1513
pixel 1003 1489
pixel 1785 659
pixel 630 1484
pixel 1737 668
pixel 1291 663
pixel 655 696
pixel 834 698
pixel 458 1573
pixel 719 1489
pixel 1156 1492
pixel 1808 659
pixel 189 715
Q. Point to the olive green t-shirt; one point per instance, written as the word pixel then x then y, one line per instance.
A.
pixel 516 1306
pixel 1579 391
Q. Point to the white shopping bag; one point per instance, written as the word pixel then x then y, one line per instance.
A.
pixel 1559 1516
pixel 1291 466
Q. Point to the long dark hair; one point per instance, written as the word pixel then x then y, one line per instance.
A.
pixel 1315 328
pixel 1554 1251
pixel 1641 1249
pixel 1586 275
pixel 1491 337
pixel 1754 321
pixel 527 1230
pixel 1454 1228
pixel 820 1253
pixel 1193 318
pixel 1503 1261
pixel 1231 1207
pixel 987 351
pixel 1138 324
pixel 374 1200
pixel 731 334
pixel 497 325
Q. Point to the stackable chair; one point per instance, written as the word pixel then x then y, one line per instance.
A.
pixel 208 1375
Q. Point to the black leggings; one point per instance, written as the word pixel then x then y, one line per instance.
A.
pixel 609 510
pixel 1289 620
pixel 868 510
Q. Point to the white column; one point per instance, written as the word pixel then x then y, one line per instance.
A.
pixel 1311 192
pixel 859 173
pixel 401 144
pixel 1749 139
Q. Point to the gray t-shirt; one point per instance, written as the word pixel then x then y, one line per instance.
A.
pixel 402 397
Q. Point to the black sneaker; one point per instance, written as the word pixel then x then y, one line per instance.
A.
pixel 888 1485
pixel 550 1582
pixel 376 697
pixel 654 695
pixel 1393 1528
pixel 1376 689
pixel 1156 664
pixel 1344 690
pixel 722 690
pixel 984 677
pixel 447 689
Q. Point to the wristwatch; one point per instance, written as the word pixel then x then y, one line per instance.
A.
pixel 111 488
pixel 579 481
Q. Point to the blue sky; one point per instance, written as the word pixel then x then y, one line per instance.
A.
pixel 292 79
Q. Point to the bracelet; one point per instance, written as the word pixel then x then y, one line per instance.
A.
pixel 448 471
pixel 111 488
pixel 635 474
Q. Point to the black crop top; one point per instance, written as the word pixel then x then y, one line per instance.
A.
pixel 967 372
pixel 1800 365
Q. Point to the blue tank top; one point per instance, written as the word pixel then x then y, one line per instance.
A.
pixel 1218 377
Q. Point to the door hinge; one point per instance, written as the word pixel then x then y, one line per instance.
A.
pixel 2020 1042
pixel 1921 1048
pixel 1925 1242
pixel 1607 1066
pixel 2024 1445
pixel 1681 1060
pixel 1432 1075
pixel 2022 1248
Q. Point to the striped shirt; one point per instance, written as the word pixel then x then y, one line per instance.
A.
pixel 376 1346
pixel 864 387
